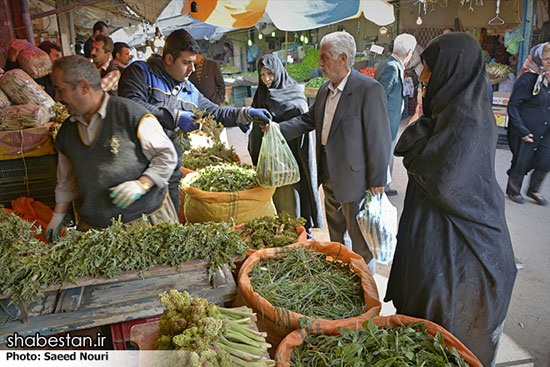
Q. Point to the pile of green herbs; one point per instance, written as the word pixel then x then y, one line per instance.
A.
pixel 267 232
pixel 206 126
pixel 407 345
pixel 202 157
pixel 316 82
pixel 29 265
pixel 305 281
pixel 299 72
pixel 227 177
pixel 311 59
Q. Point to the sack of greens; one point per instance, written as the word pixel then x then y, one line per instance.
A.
pixel 276 164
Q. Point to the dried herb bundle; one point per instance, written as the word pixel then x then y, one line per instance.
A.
pixel 407 345
pixel 228 177
pixel 304 281
pixel 208 156
pixel 30 265
pixel 269 232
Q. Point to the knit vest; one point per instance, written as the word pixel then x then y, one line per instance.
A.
pixel 114 156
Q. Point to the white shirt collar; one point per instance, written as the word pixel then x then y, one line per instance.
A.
pixel 102 112
pixel 342 84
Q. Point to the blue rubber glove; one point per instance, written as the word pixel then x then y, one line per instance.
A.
pixel 127 193
pixel 185 120
pixel 259 114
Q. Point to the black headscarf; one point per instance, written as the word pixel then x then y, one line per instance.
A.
pixel 284 96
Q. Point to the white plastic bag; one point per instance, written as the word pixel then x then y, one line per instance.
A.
pixel 377 220
pixel 276 164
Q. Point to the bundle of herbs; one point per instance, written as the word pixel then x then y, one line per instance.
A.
pixel 207 127
pixel 406 345
pixel 202 157
pixel 31 266
pixel 228 177
pixel 267 232
pixel 306 282
pixel 211 335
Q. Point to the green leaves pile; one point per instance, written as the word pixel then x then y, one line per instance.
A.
pixel 29 266
pixel 299 72
pixel 311 59
pixel 304 281
pixel 267 232
pixel 228 177
pixel 208 156
pixel 316 82
pixel 407 345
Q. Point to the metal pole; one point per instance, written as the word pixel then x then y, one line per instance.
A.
pixel 26 20
pixel 286 49
pixel 526 33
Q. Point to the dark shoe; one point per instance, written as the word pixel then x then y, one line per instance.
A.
pixel 390 192
pixel 539 199
pixel 517 198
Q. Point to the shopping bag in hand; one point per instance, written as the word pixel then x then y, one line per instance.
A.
pixel 377 220
pixel 276 164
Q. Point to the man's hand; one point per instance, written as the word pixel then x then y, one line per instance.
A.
pixel 259 114
pixel 376 190
pixel 186 120
pixel 127 193
pixel 54 226
pixel 528 138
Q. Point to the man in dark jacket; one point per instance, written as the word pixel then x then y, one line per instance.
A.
pixel 162 86
pixel 208 79
pixel 99 28
pixel 391 75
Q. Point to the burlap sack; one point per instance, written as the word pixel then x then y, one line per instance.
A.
pixel 277 322
pixel 297 337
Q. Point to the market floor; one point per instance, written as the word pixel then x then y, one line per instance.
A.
pixel 528 321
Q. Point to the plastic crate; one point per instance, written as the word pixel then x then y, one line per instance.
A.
pixel 38 183
pixel 120 332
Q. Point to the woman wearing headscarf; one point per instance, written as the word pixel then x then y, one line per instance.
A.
pixel 284 99
pixel 529 126
pixel 454 263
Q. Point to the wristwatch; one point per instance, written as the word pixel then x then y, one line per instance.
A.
pixel 145 185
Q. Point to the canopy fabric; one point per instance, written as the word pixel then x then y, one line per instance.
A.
pixel 289 15
pixel 309 14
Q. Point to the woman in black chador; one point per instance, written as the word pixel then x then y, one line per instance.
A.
pixel 454 263
pixel 284 99
pixel 529 126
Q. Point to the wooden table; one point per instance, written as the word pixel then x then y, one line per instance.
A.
pixel 102 301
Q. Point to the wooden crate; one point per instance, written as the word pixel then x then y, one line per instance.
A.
pixel 95 302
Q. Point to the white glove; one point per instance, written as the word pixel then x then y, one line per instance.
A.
pixel 54 226
pixel 126 193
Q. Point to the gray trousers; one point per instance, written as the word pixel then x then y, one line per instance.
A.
pixel 393 144
pixel 342 222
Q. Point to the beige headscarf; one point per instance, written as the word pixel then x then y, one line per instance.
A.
pixel 534 65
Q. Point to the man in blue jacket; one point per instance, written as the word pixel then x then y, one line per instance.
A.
pixel 162 86
pixel 390 75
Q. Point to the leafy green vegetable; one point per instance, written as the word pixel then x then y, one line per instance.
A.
pixel 407 345
pixel 230 69
pixel 316 82
pixel 267 232
pixel 210 335
pixel 29 266
pixel 311 59
pixel 228 177
pixel 208 156
pixel 299 72
pixel 304 281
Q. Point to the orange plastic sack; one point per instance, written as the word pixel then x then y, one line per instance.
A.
pixel 240 206
pixel 33 211
pixel 278 323
pixel 297 337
